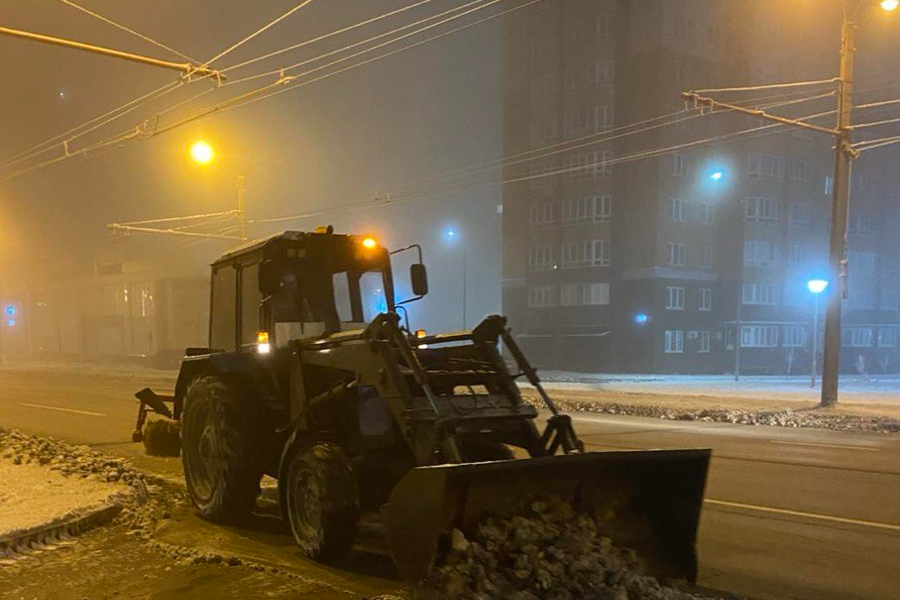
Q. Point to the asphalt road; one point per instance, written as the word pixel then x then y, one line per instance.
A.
pixel 805 514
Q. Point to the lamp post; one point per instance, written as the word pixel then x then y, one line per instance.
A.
pixel 203 154
pixel 816 286
pixel 453 235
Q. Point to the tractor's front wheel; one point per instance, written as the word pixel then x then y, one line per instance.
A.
pixel 321 500
pixel 218 451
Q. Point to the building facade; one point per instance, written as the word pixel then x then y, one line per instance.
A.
pixel 630 246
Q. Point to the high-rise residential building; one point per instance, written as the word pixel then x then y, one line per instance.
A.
pixel 627 246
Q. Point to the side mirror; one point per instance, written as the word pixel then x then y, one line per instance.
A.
pixel 418 276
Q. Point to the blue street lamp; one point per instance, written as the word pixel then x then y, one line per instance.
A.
pixel 816 287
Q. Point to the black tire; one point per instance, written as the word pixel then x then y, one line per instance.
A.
pixel 321 500
pixel 481 450
pixel 218 451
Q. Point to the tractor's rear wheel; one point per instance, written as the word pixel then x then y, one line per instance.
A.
pixel 321 500
pixel 218 451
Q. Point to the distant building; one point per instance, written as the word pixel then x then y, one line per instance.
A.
pixel 614 260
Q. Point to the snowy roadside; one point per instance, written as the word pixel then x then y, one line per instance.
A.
pixel 736 412
pixel 50 490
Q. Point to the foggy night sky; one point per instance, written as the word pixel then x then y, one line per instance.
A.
pixel 412 116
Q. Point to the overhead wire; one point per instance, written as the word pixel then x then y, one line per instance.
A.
pixel 258 93
pixel 296 65
pixel 770 86
pixel 326 36
pixel 127 29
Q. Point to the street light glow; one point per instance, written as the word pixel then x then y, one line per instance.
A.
pixel 202 153
pixel 817 286
pixel 717 175
pixel 890 5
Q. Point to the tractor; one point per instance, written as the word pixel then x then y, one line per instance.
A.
pixel 313 376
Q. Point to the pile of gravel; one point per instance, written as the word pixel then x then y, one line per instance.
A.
pixel 552 553
pixel 777 418
pixel 76 461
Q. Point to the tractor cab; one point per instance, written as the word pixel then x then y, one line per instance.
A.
pixel 295 286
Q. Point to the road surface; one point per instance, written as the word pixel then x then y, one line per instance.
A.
pixel 805 514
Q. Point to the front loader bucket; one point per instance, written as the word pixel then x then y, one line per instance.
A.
pixel 647 500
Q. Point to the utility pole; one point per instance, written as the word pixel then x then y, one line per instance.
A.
pixel 241 208
pixel 742 217
pixel 840 206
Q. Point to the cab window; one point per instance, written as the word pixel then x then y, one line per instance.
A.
pixel 222 331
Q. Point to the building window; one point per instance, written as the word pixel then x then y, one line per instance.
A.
pixel 679 165
pixel 761 253
pixel 798 254
pixel 760 293
pixel 592 165
pixel 708 216
pixel 603 72
pixel 864 299
pixel 794 337
pixel 602 26
pixel 759 336
pixel 541 296
pixel 863 224
pixel 593 209
pixel 584 294
pixel 674 298
pixel 585 253
pixel 708 257
pixel 890 300
pixel 541 216
pixel 674 343
pixel 762 209
pixel 764 165
pixel 703 342
pixel 798 170
pixel 705 299
pixel 677 210
pixel 677 254
pixel 862 263
pixel 799 216
pixel 888 337
pixel 540 258
pixel 857 337
pixel 145 306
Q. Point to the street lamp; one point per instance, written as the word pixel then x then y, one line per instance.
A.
pixel 203 154
pixel 816 286
pixel 453 236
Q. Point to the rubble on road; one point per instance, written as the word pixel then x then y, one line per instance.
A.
pixel 551 554
pixel 777 418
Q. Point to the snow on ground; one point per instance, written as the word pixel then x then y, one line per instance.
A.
pixel 32 494
pixel 854 388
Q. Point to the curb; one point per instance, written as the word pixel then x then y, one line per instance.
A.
pixel 25 539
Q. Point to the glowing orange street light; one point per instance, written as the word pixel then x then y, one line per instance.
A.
pixel 890 5
pixel 202 153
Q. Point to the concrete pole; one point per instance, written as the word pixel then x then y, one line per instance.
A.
pixel 839 215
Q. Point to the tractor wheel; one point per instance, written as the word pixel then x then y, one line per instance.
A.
pixel 217 451
pixel 321 500
pixel 480 451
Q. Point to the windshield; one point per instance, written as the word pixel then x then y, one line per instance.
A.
pixel 366 288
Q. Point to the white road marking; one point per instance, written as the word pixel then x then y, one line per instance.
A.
pixel 797 513
pixel 61 409
pixel 839 446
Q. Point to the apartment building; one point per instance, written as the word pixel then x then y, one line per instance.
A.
pixel 628 247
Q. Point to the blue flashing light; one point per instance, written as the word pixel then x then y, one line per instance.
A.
pixel 11 322
pixel 10 309
pixel 641 318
